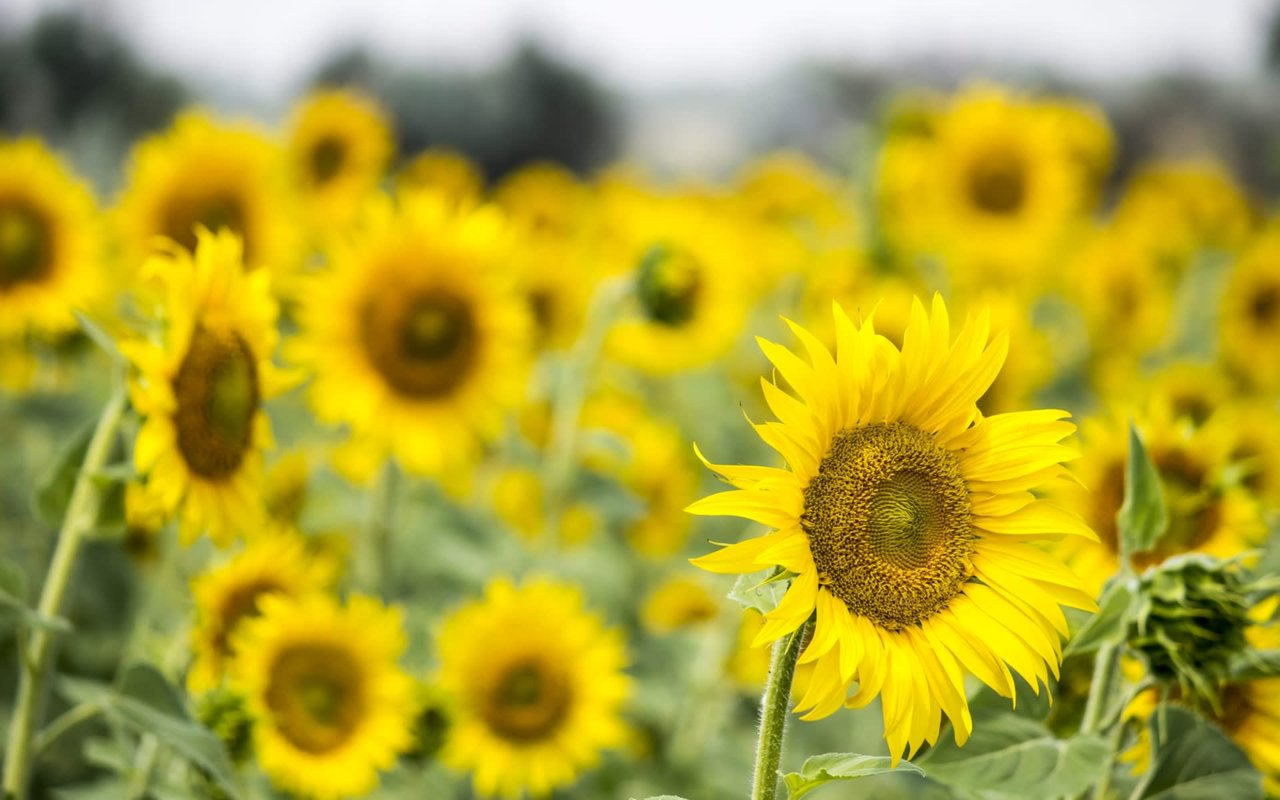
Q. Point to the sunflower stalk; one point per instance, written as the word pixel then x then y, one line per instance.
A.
pixel 381 539
pixel 570 397
pixel 35 667
pixel 774 707
pixel 1106 667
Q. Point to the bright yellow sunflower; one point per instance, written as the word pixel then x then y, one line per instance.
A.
pixel 690 268
pixel 443 170
pixel 1250 321
pixel 51 258
pixel 228 595
pixel 339 144
pixel 332 708
pixel 537 686
pixel 418 341
pixel 1206 513
pixel 201 384
pixel 544 198
pixel 201 173
pixel 908 521
pixel 676 604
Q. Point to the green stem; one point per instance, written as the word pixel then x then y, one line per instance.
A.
pixel 774 707
pixel 65 722
pixel 382 526
pixel 144 763
pixel 570 396
pixel 82 510
pixel 1106 667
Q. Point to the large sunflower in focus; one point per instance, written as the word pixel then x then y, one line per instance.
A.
pixel 50 244
pixel 1250 326
pixel 201 385
pixel 339 145
pixel 537 685
pixel 417 340
pixel 201 173
pixel 331 706
pixel 909 523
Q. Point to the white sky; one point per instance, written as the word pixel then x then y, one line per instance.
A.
pixel 268 46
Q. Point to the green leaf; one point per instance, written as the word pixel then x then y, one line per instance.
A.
pixel 1109 625
pixel 14 609
pixel 1196 761
pixel 1009 756
pixel 761 590
pixel 1252 665
pixel 1143 517
pixel 149 704
pixel 821 770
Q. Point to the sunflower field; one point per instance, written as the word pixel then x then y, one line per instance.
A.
pixel 334 470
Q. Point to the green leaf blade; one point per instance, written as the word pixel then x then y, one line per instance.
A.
pixel 1143 518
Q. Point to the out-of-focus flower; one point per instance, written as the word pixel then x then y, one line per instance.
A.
pixel 678 603
pixel 443 170
pixel 1250 321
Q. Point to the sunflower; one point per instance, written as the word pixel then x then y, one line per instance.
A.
pixel 339 144
pixel 908 522
pixel 518 501
pixel 332 707
pixel 1206 513
pixel 1008 185
pixel 51 259
pixel 537 686
pixel 201 386
pixel 443 170
pixel 230 594
pixel 544 198
pixel 678 603
pixel 1184 207
pixel 201 173
pixel 689 266
pixel 417 341
pixel 1250 326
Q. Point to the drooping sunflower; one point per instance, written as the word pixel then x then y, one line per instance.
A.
pixel 1206 513
pixel 908 521
pixel 227 595
pixel 332 708
pixel 202 173
pixel 417 339
pixel 339 145
pixel 51 258
pixel 1250 322
pixel 690 269
pixel 537 686
pixel 201 385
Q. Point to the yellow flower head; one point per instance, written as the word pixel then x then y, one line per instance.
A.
pixel 51 258
pixel 443 170
pixel 201 173
pixel 1183 207
pixel 1250 326
pixel 332 707
pixel 1124 294
pixel 417 340
pixel 908 521
pixel 230 594
pixel 543 198
pixel 537 687
pixel 200 388
pixel 339 145
pixel 678 603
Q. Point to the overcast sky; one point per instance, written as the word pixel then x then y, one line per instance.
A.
pixel 268 46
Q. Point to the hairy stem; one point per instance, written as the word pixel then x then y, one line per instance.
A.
pixel 774 707
pixel 81 512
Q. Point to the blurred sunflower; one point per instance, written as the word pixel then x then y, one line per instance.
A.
pixel 339 144
pixel 443 170
pixel 331 706
pixel 537 686
pixel 1250 321
pixel 543 198
pixel 518 501
pixel 200 388
pixel 676 604
pixel 230 594
pixel 908 520
pixel 1206 514
pixel 51 256
pixel 417 340
pixel 1184 207
pixel 201 173
pixel 1252 428
pixel 690 270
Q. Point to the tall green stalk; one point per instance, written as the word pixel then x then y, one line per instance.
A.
pixel 82 511
pixel 774 707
